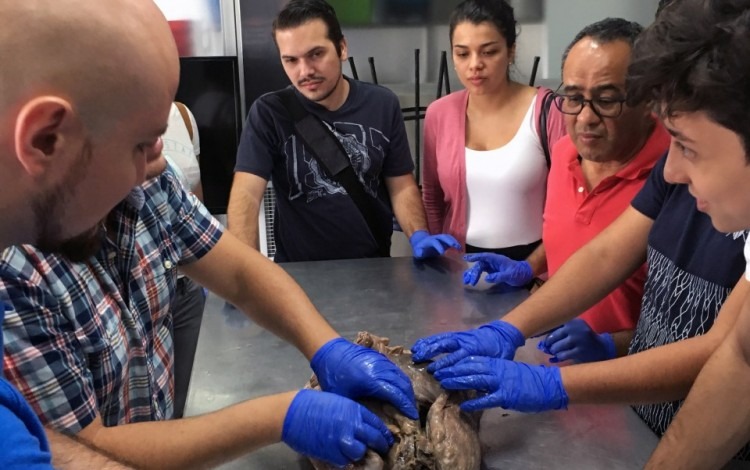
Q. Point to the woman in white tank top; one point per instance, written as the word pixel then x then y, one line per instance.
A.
pixel 485 169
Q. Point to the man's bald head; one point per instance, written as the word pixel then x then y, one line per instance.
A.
pixel 83 50
pixel 85 90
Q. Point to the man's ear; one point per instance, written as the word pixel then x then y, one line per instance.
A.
pixel 43 128
pixel 344 51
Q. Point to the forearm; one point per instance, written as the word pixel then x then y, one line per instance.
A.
pixel 243 224
pixel 587 276
pixel 264 291
pixel 714 421
pixel 197 442
pixel 538 260
pixel 622 341
pixel 242 213
pixel 69 454
pixel 407 204
pixel 657 375
pixel 572 290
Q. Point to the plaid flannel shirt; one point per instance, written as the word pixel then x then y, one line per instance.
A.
pixel 91 338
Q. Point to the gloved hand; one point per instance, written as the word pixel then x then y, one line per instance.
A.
pixel 424 245
pixel 333 428
pixel 577 341
pixel 508 384
pixel 495 339
pixel 354 371
pixel 499 268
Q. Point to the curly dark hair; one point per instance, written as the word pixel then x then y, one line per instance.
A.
pixel 497 12
pixel 298 12
pixel 696 57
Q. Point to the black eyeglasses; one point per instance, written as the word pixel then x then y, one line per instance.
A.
pixel 603 107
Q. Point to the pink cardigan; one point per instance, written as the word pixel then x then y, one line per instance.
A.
pixel 445 145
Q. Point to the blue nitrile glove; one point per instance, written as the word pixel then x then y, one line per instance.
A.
pixel 354 371
pixel 507 384
pixel 499 268
pixel 577 341
pixel 495 339
pixel 333 428
pixel 424 245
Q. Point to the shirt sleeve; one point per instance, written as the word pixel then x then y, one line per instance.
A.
pixel 43 357
pixel 432 192
pixel 650 199
pixel 398 161
pixel 259 141
pixel 194 229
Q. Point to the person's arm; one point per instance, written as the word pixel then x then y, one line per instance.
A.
pixel 196 442
pixel 69 454
pixel 622 341
pixel 407 206
pixel 714 421
pixel 407 203
pixel 656 375
pixel 538 260
pixel 321 425
pixel 587 276
pixel 244 207
pixel 263 290
pixel 432 191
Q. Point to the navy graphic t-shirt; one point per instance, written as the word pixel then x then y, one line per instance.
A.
pixel 692 267
pixel 315 218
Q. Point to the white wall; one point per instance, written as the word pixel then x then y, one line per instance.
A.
pixel 564 18
pixel 393 51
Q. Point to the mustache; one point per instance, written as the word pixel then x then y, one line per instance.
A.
pixel 307 80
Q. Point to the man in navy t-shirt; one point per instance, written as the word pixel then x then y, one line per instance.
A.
pixel 315 218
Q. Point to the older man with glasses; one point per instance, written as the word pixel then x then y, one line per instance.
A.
pixel 691 299
pixel 596 171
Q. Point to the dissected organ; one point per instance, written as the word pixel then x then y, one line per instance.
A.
pixel 444 438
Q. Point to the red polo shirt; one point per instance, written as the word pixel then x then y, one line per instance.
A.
pixel 573 216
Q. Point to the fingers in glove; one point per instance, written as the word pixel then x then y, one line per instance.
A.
pixel 563 343
pixel 448 360
pixel 497 277
pixel 429 347
pixel 448 241
pixel 436 246
pixel 402 397
pixel 478 382
pixel 352 450
pixel 567 354
pixel 472 275
pixel 482 403
pixel 374 433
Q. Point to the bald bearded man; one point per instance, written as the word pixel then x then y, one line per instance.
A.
pixel 76 133
pixel 121 97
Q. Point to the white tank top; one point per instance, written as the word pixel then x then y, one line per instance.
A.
pixel 506 190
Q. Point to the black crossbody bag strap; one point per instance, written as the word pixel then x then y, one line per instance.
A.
pixel 332 157
pixel 543 135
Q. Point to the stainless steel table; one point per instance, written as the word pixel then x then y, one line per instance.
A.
pixel 404 300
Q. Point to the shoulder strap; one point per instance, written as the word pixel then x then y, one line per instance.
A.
pixel 332 157
pixel 184 113
pixel 543 133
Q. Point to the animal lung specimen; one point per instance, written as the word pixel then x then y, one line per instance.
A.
pixel 444 438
